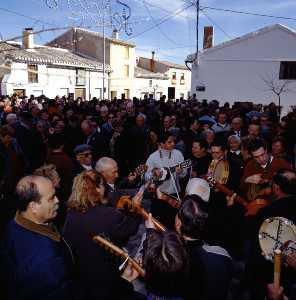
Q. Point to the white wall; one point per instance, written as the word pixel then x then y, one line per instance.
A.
pixel 180 88
pixel 51 81
pixel 118 81
pixel 159 87
pixel 235 72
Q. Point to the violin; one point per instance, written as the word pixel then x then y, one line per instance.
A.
pixel 126 202
pixel 119 252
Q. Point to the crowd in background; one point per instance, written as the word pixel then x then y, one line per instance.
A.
pixel 65 140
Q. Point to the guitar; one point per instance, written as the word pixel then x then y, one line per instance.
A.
pixel 251 207
pixel 119 252
pixel 125 202
pixel 166 171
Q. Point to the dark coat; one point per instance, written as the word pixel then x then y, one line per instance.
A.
pixel 35 265
pixel 99 273
pixel 99 146
pixel 210 271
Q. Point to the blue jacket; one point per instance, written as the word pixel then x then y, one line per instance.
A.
pixel 34 262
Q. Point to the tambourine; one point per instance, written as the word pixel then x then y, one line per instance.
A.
pixel 219 170
pixel 274 234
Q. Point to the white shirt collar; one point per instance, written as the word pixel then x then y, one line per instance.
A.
pixel 87 167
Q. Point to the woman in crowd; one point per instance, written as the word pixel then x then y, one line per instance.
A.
pixel 90 215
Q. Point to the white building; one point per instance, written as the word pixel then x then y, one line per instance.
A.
pixel 119 54
pixel 245 68
pixel 36 70
pixel 158 78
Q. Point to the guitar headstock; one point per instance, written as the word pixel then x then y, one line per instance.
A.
pixel 211 180
pixel 186 164
pixel 141 170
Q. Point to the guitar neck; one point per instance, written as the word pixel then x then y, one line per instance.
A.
pixel 229 192
pixel 119 252
pixel 183 165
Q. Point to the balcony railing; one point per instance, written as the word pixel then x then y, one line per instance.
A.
pixel 182 81
pixel 174 80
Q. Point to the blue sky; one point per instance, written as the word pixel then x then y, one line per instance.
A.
pixel 172 40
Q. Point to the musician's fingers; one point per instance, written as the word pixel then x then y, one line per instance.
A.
pixel 230 199
pixel 129 273
pixel 149 223
pixel 274 293
pixel 137 199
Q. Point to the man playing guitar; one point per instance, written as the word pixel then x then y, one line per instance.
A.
pixel 165 157
pixel 260 170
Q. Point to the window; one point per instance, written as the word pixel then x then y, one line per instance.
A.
pixel 19 92
pixel 174 78
pixel 287 70
pixel 80 77
pixel 33 73
pixel 182 79
pixel 150 83
pixel 126 70
pixel 126 52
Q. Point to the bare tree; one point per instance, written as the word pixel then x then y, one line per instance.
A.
pixel 278 87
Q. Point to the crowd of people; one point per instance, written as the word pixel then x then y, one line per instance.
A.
pixel 210 173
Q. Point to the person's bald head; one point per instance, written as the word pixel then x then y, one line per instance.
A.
pixel 36 198
pixel 108 168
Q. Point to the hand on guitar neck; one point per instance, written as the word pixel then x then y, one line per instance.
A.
pixel 251 207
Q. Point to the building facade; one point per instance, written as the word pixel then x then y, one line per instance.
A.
pixel 248 68
pixel 29 69
pixel 119 55
pixel 164 78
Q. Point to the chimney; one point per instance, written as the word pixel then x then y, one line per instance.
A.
pixel 208 37
pixel 152 62
pixel 115 34
pixel 28 38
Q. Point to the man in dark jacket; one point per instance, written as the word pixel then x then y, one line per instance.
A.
pixel 210 266
pixel 35 259
pixel 95 139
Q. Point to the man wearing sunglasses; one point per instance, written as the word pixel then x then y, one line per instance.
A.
pixel 84 161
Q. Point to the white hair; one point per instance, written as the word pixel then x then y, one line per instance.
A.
pixel 104 163
pixel 235 137
pixel 142 116
pixel 11 118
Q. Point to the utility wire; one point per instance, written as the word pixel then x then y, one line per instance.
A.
pixel 247 13
pixel 28 17
pixel 215 23
pixel 165 19
pixel 157 25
